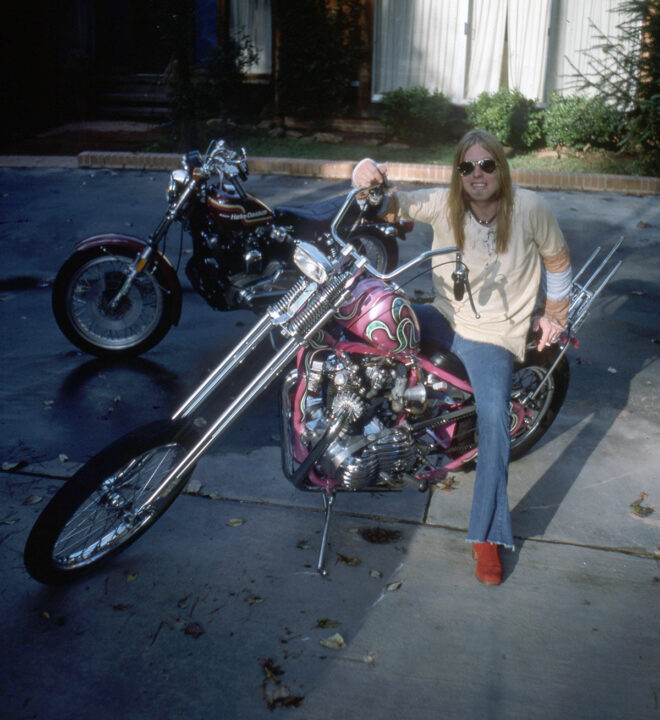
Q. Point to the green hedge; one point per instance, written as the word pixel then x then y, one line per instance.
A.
pixel 509 116
pixel 578 121
pixel 416 116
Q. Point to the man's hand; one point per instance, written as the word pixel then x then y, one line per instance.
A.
pixel 367 173
pixel 549 332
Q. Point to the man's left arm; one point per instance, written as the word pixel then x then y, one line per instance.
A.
pixel 557 278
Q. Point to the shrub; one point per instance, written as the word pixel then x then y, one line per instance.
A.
pixel 625 71
pixel 509 116
pixel 416 116
pixel 579 121
pixel 320 52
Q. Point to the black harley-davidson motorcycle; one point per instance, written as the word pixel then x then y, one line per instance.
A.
pixel 118 295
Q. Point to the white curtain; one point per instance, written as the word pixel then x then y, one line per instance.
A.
pixel 487 28
pixel 420 42
pixel 252 18
pixel 527 39
pixel 574 33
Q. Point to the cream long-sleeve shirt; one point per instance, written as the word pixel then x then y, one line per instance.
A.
pixel 505 287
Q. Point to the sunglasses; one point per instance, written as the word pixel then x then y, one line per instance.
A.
pixel 488 165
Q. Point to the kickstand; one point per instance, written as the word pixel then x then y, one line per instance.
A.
pixel 328 502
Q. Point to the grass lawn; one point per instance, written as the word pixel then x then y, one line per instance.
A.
pixel 258 143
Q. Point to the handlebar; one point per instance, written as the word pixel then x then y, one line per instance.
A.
pixel 460 274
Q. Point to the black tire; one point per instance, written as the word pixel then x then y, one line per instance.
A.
pixel 541 412
pixel 93 516
pixel 381 252
pixel 82 289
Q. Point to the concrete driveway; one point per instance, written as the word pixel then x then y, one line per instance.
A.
pixel 217 612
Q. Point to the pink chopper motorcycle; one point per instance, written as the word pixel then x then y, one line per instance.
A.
pixel 363 409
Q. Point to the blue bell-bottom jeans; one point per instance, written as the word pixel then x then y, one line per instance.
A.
pixel 490 369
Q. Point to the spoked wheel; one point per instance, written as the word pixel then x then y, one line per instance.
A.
pixel 382 253
pixel 531 420
pixel 108 503
pixel 83 295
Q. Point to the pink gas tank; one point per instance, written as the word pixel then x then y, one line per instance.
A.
pixel 381 317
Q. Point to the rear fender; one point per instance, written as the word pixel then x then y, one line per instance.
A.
pixel 163 267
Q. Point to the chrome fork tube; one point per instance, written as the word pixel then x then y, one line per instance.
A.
pixel 236 356
pixel 248 394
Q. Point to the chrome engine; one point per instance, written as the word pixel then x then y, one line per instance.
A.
pixel 370 448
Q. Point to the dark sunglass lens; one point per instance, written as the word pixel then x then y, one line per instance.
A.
pixel 465 168
pixel 488 165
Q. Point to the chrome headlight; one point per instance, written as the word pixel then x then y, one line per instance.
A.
pixel 312 262
pixel 178 180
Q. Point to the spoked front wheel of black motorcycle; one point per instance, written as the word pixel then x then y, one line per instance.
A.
pixel 381 252
pixel 87 312
pixel 539 412
pixel 108 504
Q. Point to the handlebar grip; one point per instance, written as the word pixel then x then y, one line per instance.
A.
pixel 459 289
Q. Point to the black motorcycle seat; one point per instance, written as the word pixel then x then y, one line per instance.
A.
pixel 314 217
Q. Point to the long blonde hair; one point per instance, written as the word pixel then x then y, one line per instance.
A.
pixel 458 205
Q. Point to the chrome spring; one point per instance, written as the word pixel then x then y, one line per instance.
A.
pixel 283 303
pixel 318 306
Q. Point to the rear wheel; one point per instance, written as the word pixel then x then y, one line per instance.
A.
pixel 108 503
pixel 82 294
pixel 530 419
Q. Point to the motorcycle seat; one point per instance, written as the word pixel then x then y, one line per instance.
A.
pixel 315 217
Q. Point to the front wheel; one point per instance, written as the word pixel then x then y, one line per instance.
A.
pixel 530 419
pixel 381 252
pixel 108 503
pixel 83 295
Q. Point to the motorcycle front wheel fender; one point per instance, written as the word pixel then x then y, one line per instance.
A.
pixel 162 265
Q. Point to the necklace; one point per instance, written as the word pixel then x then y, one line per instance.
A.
pixel 483 222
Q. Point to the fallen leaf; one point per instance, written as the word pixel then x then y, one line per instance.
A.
pixel 376 574
pixel 236 522
pixel 303 545
pixel 271 670
pixel 254 600
pixel 380 535
pixel 642 224
pixel 369 658
pixel 346 560
pixel 327 623
pixel 393 587
pixel 120 607
pixel 447 484
pixel 193 487
pixel 194 629
pixel 45 615
pixel 611 370
pixel 639 509
pixel 32 500
pixel 183 603
pixel 641 293
pixel 131 577
pixel 334 642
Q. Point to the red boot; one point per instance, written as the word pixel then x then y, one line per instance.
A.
pixel 489 565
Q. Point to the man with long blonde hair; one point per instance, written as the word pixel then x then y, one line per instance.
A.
pixel 510 242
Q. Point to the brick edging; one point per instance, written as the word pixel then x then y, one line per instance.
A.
pixel 411 172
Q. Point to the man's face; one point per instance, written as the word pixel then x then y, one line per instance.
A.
pixel 479 185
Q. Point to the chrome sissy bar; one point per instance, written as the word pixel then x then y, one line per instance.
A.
pixel 583 295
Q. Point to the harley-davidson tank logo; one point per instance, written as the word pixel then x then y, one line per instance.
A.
pixel 405 331
pixel 238 213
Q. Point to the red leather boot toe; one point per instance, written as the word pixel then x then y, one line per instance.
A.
pixel 489 565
